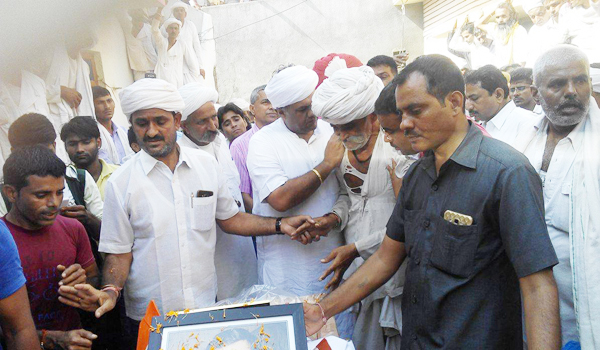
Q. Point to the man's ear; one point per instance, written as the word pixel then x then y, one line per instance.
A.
pixel 177 117
pixel 99 142
pixel 499 94
pixel 251 110
pixel 456 100
pixel 535 93
pixel 10 192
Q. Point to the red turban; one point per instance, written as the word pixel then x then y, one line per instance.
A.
pixel 322 63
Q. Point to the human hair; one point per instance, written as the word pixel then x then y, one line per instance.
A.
pixel 230 107
pixel 31 160
pixel 489 77
pixel 557 54
pixel 386 102
pixel 468 27
pixel 131 136
pixel 522 74
pixel 82 126
pixel 99 91
pixel 254 94
pixel 512 13
pixel 31 129
pixel 383 60
pixel 441 74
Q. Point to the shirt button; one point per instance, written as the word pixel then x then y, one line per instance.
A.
pixel 417 261
pixel 426 223
pixel 414 299
pixel 434 187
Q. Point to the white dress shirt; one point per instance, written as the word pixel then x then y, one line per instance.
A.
pixel 158 216
pixel 509 121
pixel 235 259
pixel 557 187
pixel 275 156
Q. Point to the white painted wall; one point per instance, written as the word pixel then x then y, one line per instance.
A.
pixel 252 40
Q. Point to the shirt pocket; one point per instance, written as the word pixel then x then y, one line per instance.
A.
pixel 454 248
pixel 203 213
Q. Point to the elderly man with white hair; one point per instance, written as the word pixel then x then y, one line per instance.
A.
pixel 162 206
pixel 563 149
pixel 347 101
pixel 291 164
pixel 176 62
pixel 236 271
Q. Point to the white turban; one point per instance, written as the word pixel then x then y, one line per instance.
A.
pixel 179 4
pixel 529 5
pixel 150 93
pixel 195 95
pixel 595 75
pixel 349 94
pixel 291 85
pixel 167 23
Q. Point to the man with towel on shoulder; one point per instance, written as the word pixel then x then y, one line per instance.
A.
pixel 347 101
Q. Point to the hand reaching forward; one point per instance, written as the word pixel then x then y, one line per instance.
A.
pixel 342 258
pixel 88 298
pixel 313 319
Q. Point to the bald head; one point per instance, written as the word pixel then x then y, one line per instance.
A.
pixel 557 56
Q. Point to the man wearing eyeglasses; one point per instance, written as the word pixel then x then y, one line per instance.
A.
pixel 521 80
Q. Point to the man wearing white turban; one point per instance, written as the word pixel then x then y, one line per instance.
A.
pixel 189 35
pixel 235 272
pixel 173 54
pixel 347 101
pixel 545 31
pixel 290 162
pixel 162 205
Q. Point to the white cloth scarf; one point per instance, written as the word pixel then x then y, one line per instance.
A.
pixel 291 85
pixel 584 227
pixel 349 94
pixel 595 75
pixel 195 95
pixel 150 93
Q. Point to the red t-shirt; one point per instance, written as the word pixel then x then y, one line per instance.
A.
pixel 63 243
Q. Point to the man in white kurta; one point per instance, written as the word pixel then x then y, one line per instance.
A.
pixel 140 48
pixel 581 20
pixel 235 259
pixel 189 35
pixel 544 33
pixel 562 147
pixel 510 38
pixel 363 171
pixel 173 54
pixel 488 100
pixel 26 93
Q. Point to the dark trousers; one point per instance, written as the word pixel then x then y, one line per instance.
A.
pixel 131 328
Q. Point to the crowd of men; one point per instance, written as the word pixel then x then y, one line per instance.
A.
pixel 435 208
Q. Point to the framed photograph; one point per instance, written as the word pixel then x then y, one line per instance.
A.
pixel 279 327
pixel 94 61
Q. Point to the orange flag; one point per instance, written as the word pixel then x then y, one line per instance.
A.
pixel 144 332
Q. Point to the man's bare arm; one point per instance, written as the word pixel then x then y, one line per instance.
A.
pixel 377 270
pixel 542 318
pixel 248 202
pixel 296 191
pixel 245 224
pixel 16 321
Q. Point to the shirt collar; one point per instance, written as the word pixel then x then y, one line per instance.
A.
pixel 500 118
pixel 148 162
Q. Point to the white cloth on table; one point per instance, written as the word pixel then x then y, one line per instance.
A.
pixel 140 50
pixel 154 214
pixel 347 95
pixel 509 121
pixel 109 150
pixel 235 260
pixel 569 197
pixel 170 61
pixel 282 262
pixel 15 101
pixel 291 85
pixel 74 74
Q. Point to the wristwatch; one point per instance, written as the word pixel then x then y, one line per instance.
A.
pixel 278 226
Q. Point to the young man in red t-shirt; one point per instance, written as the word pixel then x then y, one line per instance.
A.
pixel 54 249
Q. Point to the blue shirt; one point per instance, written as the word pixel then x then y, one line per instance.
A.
pixel 11 272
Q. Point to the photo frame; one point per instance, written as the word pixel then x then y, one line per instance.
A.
pixel 278 327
